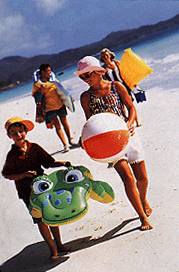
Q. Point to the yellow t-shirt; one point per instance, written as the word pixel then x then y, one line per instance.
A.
pixel 53 100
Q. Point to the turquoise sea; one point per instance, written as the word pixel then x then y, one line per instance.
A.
pixel 160 52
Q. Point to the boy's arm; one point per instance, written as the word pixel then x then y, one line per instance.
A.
pixel 61 163
pixel 48 161
pixel 28 174
pixel 38 96
pixel 37 93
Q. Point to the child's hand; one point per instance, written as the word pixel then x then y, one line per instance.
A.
pixel 67 164
pixel 34 173
pixel 29 174
pixel 131 129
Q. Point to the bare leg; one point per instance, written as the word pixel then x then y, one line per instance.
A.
pixel 45 232
pixel 124 170
pixel 56 234
pixel 140 173
pixel 66 126
pixel 138 124
pixel 59 130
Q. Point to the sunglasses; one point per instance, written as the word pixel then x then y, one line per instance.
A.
pixel 85 76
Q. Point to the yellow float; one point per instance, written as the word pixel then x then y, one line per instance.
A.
pixel 133 68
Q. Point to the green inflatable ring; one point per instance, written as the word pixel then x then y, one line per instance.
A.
pixel 62 196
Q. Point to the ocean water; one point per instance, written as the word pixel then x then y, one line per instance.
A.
pixel 161 53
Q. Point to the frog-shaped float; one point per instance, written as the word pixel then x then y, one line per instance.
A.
pixel 62 196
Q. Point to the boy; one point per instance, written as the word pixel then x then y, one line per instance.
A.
pixel 55 110
pixel 23 163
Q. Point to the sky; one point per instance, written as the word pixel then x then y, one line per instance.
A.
pixel 35 27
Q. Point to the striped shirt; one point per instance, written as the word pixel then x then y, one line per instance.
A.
pixel 108 103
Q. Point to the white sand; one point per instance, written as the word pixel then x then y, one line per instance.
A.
pixel 116 244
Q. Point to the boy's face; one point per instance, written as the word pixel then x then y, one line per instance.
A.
pixel 17 132
pixel 47 73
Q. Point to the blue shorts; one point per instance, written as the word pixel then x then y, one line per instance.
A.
pixel 62 112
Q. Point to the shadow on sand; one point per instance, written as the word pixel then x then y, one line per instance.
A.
pixel 88 241
pixel 62 151
pixel 35 257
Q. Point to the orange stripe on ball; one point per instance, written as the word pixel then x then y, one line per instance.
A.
pixel 98 147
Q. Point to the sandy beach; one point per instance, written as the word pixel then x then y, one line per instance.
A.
pixel 108 237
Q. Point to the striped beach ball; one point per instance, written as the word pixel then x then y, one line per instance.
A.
pixel 105 137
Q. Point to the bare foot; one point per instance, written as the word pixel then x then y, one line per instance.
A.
pixel 54 257
pixel 63 249
pixel 147 208
pixel 145 225
pixel 139 125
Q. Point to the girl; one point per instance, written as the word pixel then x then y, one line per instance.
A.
pixel 103 96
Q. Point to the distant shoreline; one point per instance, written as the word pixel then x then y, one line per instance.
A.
pixel 23 67
pixel 10 86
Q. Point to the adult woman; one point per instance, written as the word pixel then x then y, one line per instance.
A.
pixel 112 67
pixel 54 106
pixel 103 96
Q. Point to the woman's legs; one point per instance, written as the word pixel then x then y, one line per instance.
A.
pixel 139 170
pixel 45 232
pixel 124 170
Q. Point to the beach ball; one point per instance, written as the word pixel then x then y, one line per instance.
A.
pixel 105 137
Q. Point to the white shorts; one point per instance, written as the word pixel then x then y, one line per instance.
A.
pixel 134 153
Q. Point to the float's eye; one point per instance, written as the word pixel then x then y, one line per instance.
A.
pixel 41 186
pixel 74 176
